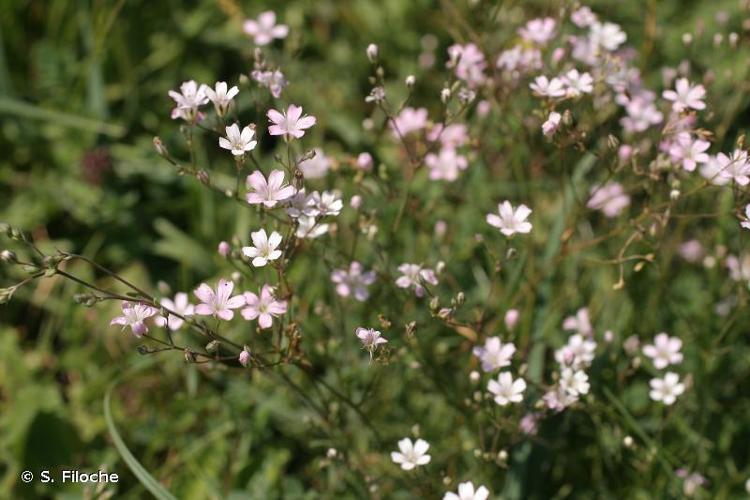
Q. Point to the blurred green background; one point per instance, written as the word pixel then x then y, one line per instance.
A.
pixel 83 91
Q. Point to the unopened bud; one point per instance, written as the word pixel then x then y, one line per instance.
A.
pixel 161 149
pixel 372 52
pixel 189 356
pixel 613 142
pixel 445 95
pixel 203 177
pixel 410 81
pixel 212 346
pixel 8 256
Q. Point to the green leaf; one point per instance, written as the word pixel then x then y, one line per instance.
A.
pixel 146 479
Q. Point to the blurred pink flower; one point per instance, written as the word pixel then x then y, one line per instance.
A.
pixel 540 30
pixel 685 96
pixel 353 282
pixel 446 165
pixel 494 354
pixel 180 305
pixel 264 29
pixel 510 221
pixel 610 198
pixel 409 120
pixel 413 275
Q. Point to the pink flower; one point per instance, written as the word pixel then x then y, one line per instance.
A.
pixel 469 62
pixel 265 307
pixel 540 30
pixel 413 275
pixel 179 305
pixel 734 167
pixel 370 338
pixel 269 192
pixel 409 120
pixel 664 351
pixel 689 152
pixel 494 354
pixel 317 166
pixel 218 303
pixel 274 80
pixel 685 96
pixel 577 83
pixel 610 198
pixel 134 315
pixel 264 29
pixel 354 281
pixel 510 221
pixel 451 137
pixel 511 319
pixel 291 123
pixel 580 323
pixel 446 165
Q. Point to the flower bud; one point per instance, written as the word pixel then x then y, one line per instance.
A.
pixel 224 249
pixel 8 256
pixel 355 202
pixel 410 81
pixel 203 177
pixel 372 52
pixel 212 346
pixel 161 149
pixel 445 95
pixel 511 319
pixel 244 358
pixel 364 162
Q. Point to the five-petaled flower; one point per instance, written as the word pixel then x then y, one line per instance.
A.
pixel 411 455
pixel 265 247
pixel 506 390
pixel 289 123
pixel 180 305
pixel 664 351
pixel 134 315
pixel 354 281
pixel 510 221
pixel 221 97
pixel 238 142
pixel 685 96
pixel 466 491
pixel 370 338
pixel 268 192
pixel 413 275
pixel 264 307
pixel 494 354
pixel 218 303
pixel 666 389
pixel 264 29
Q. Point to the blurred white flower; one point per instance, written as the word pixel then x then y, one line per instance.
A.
pixel 510 221
pixel 411 455
pixel 506 390
pixel 264 29
pixel 664 351
pixel 666 389
pixel 494 354
pixel 466 491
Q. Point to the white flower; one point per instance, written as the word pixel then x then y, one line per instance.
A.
pixel 666 389
pixel 544 87
pixel 181 306
pixel 411 455
pixel 221 97
pixel 494 355
pixel 664 351
pixel 264 249
pixel 238 142
pixel 506 390
pixel 578 352
pixel 327 203
pixel 608 35
pixel 190 97
pixel 446 165
pixel 685 96
pixel 734 167
pixel 466 491
pixel 577 83
pixel 510 221
pixel 309 227
pixel 574 382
